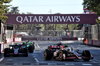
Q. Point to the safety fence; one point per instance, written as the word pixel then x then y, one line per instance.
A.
pixel 42 35
pixel 93 35
pixel 67 33
pixel 93 32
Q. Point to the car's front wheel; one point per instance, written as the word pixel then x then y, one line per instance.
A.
pixel 48 55
pixel 60 55
pixel 6 52
pixel 86 55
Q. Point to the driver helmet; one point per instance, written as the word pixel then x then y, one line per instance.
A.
pixel 15 43
pixel 59 44
pixel 65 45
pixel 24 43
pixel 31 42
pixel 27 41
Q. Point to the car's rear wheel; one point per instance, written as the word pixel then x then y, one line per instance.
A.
pixel 6 52
pixel 33 47
pixel 30 49
pixel 86 55
pixel 48 55
pixel 60 55
pixel 25 53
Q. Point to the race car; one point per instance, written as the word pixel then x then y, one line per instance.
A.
pixel 30 46
pixel 56 46
pixel 15 50
pixel 63 52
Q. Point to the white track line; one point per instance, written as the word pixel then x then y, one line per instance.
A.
pixel 1 59
pixel 69 64
pixel 36 45
pixel 36 60
pixel 86 64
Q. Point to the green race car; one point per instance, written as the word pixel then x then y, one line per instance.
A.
pixel 30 46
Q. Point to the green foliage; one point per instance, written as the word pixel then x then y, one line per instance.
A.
pixel 93 5
pixel 62 27
pixel 29 13
pixel 4 9
pixel 98 21
pixel 14 10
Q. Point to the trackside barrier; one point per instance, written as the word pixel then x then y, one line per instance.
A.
pixel 17 39
pixel 9 40
pixel 96 42
pixel 1 47
pixel 90 42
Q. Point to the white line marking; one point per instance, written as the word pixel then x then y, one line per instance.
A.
pixel 36 60
pixel 52 64
pixel 86 64
pixel 69 64
pixel 38 46
pixel 1 59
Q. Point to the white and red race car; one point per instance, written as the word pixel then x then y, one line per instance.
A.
pixel 63 52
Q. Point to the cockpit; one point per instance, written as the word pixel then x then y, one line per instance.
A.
pixel 68 48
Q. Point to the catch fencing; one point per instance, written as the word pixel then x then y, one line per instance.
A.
pixel 60 33
pixel 10 34
pixel 93 32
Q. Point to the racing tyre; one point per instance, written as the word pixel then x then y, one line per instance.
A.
pixel 86 55
pixel 33 47
pixel 25 53
pixel 48 55
pixel 30 49
pixel 5 52
pixel 60 55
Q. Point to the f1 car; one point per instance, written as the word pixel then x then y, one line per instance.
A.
pixel 63 52
pixel 15 50
pixel 30 46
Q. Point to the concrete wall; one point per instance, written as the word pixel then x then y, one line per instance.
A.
pixel 1 32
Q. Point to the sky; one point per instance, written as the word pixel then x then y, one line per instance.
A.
pixel 49 6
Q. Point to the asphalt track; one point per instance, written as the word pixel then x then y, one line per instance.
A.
pixel 36 58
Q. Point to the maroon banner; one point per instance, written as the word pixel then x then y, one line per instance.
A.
pixel 51 19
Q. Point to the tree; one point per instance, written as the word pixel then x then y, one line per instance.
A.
pixel 4 9
pixel 14 10
pixel 29 13
pixel 93 5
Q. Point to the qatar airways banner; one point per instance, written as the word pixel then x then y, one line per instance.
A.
pixel 51 18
